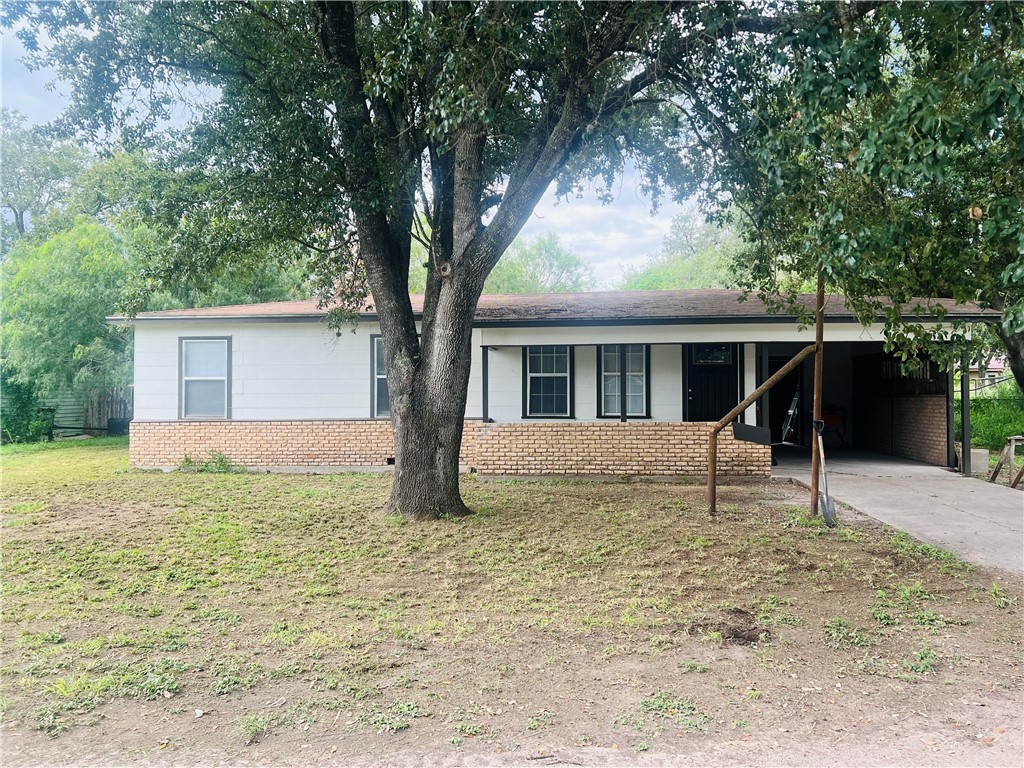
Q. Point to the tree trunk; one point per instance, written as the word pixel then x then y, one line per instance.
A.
pixel 1014 343
pixel 428 406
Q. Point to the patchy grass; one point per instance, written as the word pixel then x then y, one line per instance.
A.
pixel 76 444
pixel 289 605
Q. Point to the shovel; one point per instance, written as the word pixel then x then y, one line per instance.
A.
pixel 825 502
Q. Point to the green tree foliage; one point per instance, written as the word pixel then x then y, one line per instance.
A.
pixel 540 265
pixel 35 176
pixel 84 242
pixel 23 420
pixel 996 414
pixel 891 153
pixel 695 254
pixel 56 296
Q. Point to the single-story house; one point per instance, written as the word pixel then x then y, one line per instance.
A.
pixel 270 386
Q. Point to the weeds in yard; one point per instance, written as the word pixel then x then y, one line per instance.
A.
pixel 667 706
pixel 51 719
pixel 230 676
pixel 50 637
pixel 714 637
pixel 930 618
pixel 872 665
pixel 256 727
pixel 910 595
pixel 881 610
pixel 393 719
pixel 218 570
pixel 769 613
pixel 216 463
pixel 696 543
pixel 924 661
pixel 540 719
pixel 839 634
pixel 1000 598
pixel 911 547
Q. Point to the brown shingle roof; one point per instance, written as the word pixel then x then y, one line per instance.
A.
pixel 706 304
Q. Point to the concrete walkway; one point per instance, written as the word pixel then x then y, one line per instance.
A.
pixel 981 522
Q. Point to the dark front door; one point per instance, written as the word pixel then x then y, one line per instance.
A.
pixel 712 381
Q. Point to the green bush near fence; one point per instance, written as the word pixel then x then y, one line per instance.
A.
pixel 994 417
pixel 22 418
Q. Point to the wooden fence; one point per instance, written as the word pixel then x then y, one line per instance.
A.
pixel 113 403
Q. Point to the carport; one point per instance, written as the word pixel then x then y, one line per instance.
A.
pixel 868 403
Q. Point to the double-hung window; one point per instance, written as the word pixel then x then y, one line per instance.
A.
pixel 547 381
pixel 205 389
pixel 381 401
pixel 610 380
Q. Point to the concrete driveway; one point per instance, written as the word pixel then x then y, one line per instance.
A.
pixel 981 522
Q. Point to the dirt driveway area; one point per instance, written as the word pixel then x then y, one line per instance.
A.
pixel 244 619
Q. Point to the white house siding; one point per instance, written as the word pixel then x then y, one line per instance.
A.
pixel 297 370
pixel 301 370
pixel 666 383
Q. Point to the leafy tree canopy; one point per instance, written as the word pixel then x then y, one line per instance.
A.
pixel 56 297
pixel 83 242
pixel 892 155
pixel 695 254
pixel 35 175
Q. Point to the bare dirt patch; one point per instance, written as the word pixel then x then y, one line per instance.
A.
pixel 252 619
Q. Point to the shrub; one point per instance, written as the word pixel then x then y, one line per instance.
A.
pixel 23 420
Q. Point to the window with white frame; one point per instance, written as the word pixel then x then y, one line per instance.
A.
pixel 548 381
pixel 205 378
pixel 381 400
pixel 610 378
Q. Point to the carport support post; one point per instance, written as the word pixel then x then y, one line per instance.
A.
pixel 819 361
pixel 965 416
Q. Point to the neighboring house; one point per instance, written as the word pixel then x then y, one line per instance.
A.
pixel 270 386
pixel 995 372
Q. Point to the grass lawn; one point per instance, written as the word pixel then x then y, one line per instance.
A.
pixel 233 617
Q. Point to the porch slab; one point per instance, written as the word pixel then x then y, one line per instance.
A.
pixel 981 522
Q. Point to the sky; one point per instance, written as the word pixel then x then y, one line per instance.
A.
pixel 610 236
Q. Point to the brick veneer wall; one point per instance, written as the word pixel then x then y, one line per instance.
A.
pixel 909 426
pixel 518 448
pixel 613 448
pixel 919 428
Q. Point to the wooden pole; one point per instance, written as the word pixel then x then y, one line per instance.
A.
pixel 749 400
pixel 819 362
pixel 965 416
